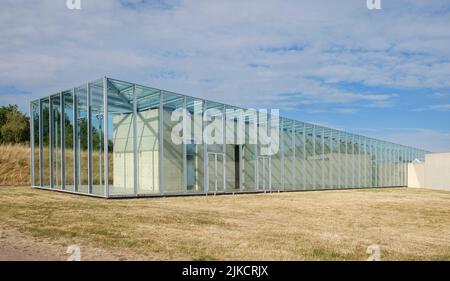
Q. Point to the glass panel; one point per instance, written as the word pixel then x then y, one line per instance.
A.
pixel 261 177
pixel 232 149
pixel 264 170
pixel 350 162
pixel 366 162
pixel 45 165
pixel 335 159
pixel 249 151
pixel 97 139
pixel 299 156
pixel 318 158
pixel 214 126
pixel 277 158
pixel 212 173
pixel 147 125
pixel 343 160
pixel 288 152
pixel 220 170
pixel 82 144
pixel 326 171
pixel 56 141
pixel 173 152
pixel 120 138
pixel 194 149
pixel 356 163
pixel 309 165
pixel 68 140
pixel 36 127
pixel 380 158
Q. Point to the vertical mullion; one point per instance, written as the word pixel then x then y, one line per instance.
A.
pixel 105 135
pixel 75 141
pixel 304 157
pixel 224 158
pixel 63 143
pixel 32 145
pixel 161 144
pixel 330 160
pixel 314 156
pixel 135 159
pixel 184 143
pixel 50 137
pixel 89 137
pixel 339 158
pixel 322 158
pixel 240 166
pixel 205 151
pixel 280 151
pixel 293 164
pixel 41 138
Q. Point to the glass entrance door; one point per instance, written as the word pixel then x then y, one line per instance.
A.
pixel 264 171
pixel 215 172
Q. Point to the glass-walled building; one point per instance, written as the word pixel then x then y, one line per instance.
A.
pixel 112 138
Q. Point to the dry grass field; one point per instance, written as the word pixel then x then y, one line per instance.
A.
pixel 14 165
pixel 407 224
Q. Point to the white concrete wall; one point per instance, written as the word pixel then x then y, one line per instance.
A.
pixel 147 153
pixel 416 175
pixel 434 173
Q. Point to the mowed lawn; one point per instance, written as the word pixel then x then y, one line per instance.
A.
pixel 407 224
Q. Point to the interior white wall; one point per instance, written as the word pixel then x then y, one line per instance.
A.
pixel 434 173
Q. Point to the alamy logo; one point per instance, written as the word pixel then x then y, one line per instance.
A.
pixel 73 4
pixel 234 126
pixel 373 4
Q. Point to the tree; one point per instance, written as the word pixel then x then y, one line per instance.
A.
pixel 14 125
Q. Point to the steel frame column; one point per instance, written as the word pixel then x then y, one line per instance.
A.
pixel 105 136
pixel 304 156
pixel 294 159
pixel 184 143
pixel 50 138
pixel 281 151
pixel 205 150
pixel 89 137
pixel 63 143
pixel 76 180
pixel 322 158
pixel 41 153
pixel 224 141
pixel 32 145
pixel 161 143
pixel 135 158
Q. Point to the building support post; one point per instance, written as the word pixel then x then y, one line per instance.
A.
pixel 161 142
pixel 105 136
pixel 63 143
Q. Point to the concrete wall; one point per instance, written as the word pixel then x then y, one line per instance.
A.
pixel 416 174
pixel 434 173
pixel 147 153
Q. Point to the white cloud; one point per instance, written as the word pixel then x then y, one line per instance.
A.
pixel 431 140
pixel 286 54
pixel 436 107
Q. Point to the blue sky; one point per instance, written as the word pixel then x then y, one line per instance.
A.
pixel 381 73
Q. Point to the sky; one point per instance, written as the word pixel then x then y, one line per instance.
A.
pixel 380 73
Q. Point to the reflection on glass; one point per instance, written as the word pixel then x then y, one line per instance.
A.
pixel 68 141
pixel 120 138
pixel 45 156
pixel 35 119
pixel 147 134
pixel 173 174
pixel 97 137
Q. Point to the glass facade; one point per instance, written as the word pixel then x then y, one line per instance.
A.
pixel 112 138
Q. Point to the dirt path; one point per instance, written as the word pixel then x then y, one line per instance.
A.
pixel 16 246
